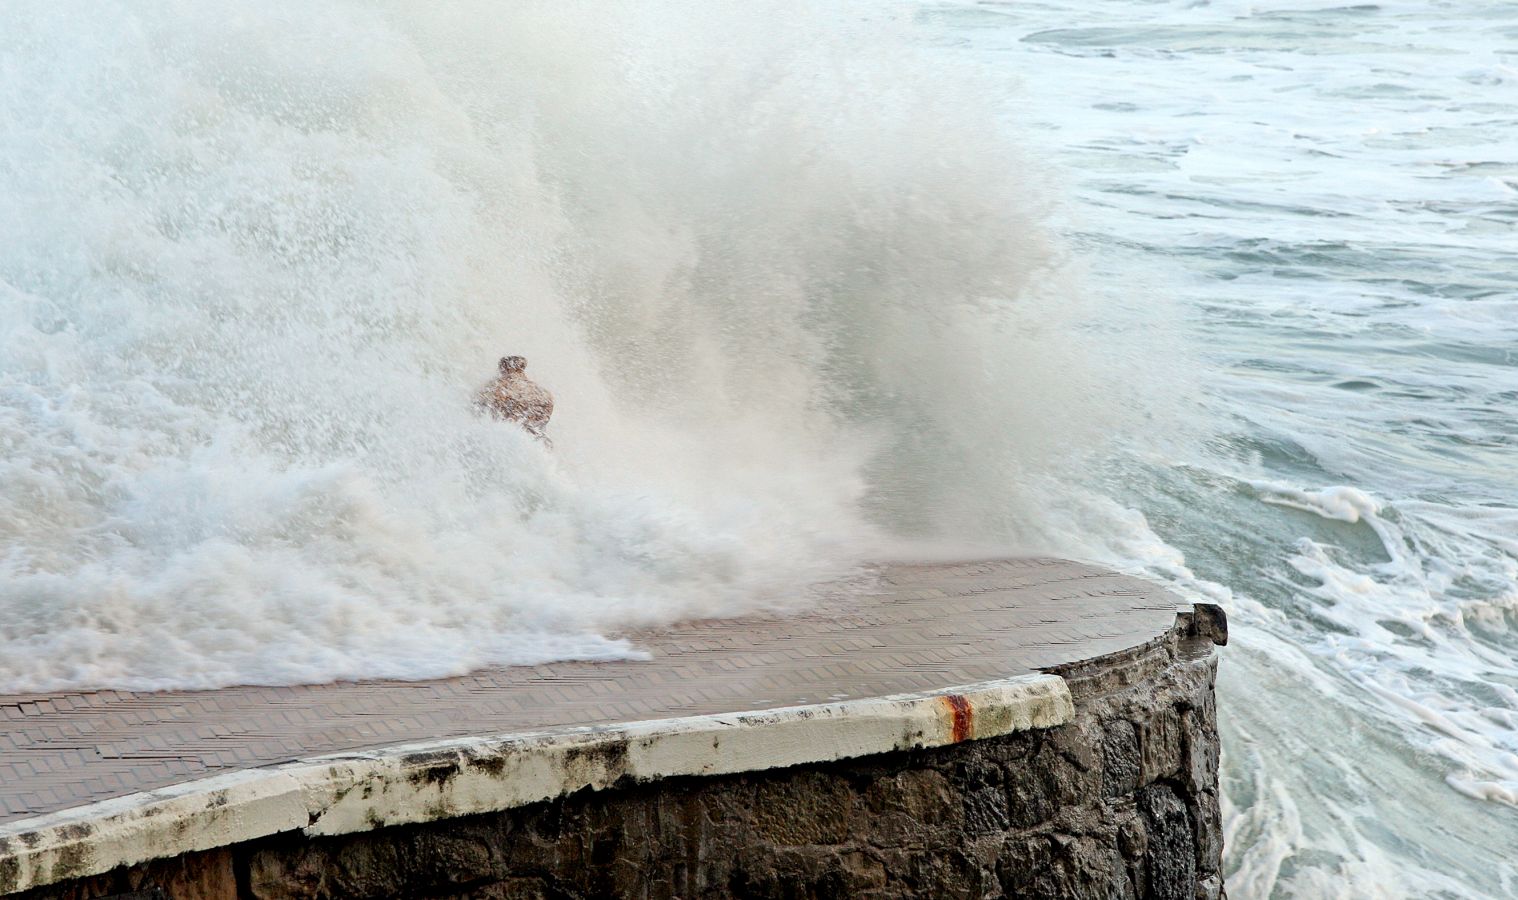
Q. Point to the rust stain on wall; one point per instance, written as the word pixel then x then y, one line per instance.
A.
pixel 964 716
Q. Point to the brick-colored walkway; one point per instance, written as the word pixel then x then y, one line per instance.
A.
pixel 920 628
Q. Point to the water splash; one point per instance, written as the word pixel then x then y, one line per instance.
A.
pixel 255 262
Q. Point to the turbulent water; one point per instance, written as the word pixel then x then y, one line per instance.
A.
pixel 255 264
pixel 1331 193
pixel 1221 292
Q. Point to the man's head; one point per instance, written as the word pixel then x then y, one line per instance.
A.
pixel 510 364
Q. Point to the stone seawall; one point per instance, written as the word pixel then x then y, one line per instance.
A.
pixel 1119 801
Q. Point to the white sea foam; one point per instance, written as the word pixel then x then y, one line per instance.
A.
pixel 253 262
pixel 1345 504
pixel 782 267
pixel 1328 186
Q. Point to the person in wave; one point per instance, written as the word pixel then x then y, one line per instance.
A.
pixel 513 397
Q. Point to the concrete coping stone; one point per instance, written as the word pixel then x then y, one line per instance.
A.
pixel 420 782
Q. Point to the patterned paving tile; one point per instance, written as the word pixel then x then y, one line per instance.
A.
pixel 910 628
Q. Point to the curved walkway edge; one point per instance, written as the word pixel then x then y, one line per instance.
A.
pixel 357 791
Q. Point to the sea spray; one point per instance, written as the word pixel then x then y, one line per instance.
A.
pixel 783 268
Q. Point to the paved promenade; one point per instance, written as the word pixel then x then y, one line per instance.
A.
pixel 918 628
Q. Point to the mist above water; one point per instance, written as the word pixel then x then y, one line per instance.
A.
pixel 784 270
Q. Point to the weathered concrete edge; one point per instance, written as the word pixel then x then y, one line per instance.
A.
pixel 358 791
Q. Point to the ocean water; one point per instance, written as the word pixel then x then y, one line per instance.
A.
pixel 1219 292
pixel 1330 193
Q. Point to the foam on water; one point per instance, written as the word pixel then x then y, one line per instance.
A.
pixel 1328 187
pixel 255 261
